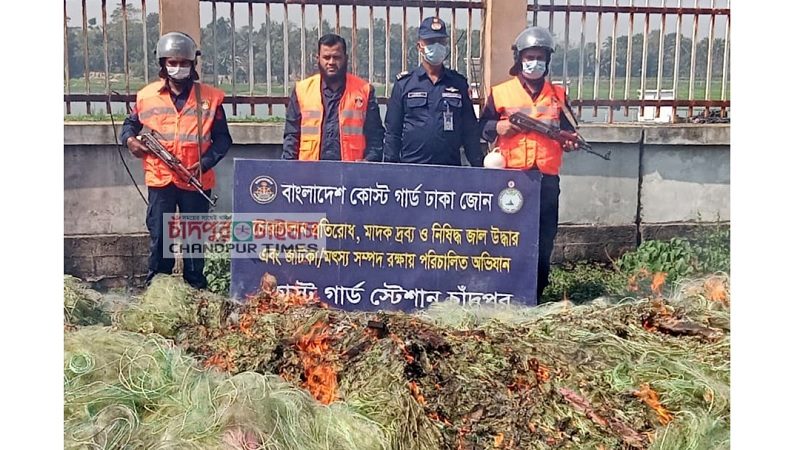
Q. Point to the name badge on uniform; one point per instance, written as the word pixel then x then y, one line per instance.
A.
pixel 417 95
pixel 448 118
pixel 451 95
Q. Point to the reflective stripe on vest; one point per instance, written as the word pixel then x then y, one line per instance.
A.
pixel 167 110
pixel 352 114
pixel 528 150
pixel 187 138
pixel 353 130
pixel 157 112
pixel 312 114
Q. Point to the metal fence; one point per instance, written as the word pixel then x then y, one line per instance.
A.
pixel 380 45
pixel 256 49
pixel 97 53
pixel 641 62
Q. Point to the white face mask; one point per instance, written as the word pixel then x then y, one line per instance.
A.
pixel 178 72
pixel 435 53
pixel 533 70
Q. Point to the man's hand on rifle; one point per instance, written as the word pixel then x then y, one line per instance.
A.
pixel 571 145
pixel 136 147
pixel 194 169
pixel 506 128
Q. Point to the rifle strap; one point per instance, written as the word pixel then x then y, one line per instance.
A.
pixel 570 117
pixel 561 94
pixel 199 110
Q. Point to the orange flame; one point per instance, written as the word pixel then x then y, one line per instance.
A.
pixel 633 280
pixel 658 282
pixel 266 302
pixel 650 398
pixel 542 372
pixel 399 342
pixel 462 432
pixel 659 310
pixel 716 290
pixel 498 440
pixel 246 324
pixel 416 392
pixel 319 373
pixel 435 416
pixel 221 360
pixel 519 384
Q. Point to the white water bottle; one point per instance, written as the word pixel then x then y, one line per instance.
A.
pixel 494 159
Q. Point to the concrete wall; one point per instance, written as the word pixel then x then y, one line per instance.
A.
pixel 504 21
pixel 661 182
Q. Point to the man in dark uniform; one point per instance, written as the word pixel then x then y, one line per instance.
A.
pixel 430 115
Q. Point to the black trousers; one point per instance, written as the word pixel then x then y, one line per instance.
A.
pixel 548 226
pixel 162 201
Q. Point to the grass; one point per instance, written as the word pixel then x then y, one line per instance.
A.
pixel 95 117
pixel 587 90
pixel 119 118
pixel 255 119
pixel 78 85
pixel 583 281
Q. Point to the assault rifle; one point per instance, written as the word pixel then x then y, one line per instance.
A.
pixel 151 141
pixel 528 123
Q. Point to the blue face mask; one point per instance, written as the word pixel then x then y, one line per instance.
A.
pixel 435 53
pixel 533 70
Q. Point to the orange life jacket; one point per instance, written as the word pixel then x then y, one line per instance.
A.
pixel 179 129
pixel 526 150
pixel 352 114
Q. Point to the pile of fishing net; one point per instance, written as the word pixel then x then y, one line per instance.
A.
pixel 83 305
pixel 187 369
pixel 126 390
pixel 637 373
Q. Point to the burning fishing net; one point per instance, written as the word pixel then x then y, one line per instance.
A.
pixel 641 373
pixel 128 390
pixel 651 372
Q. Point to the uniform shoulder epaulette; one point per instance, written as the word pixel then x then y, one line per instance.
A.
pixel 402 75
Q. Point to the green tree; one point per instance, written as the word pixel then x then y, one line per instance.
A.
pixel 115 34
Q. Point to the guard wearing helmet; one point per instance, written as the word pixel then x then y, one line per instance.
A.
pixel 530 92
pixel 190 118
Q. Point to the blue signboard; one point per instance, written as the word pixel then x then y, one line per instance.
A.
pixel 370 236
